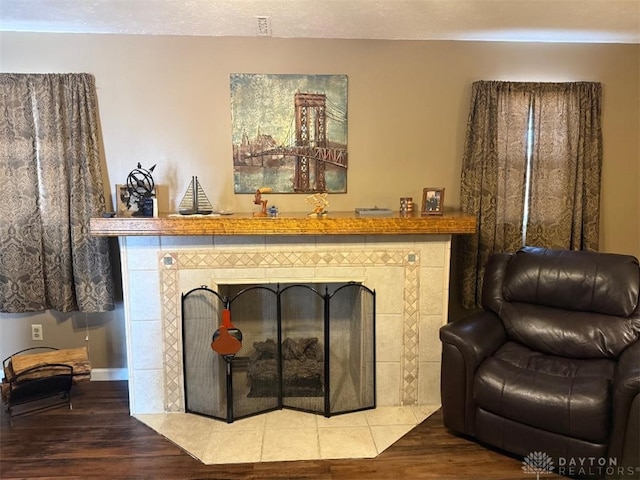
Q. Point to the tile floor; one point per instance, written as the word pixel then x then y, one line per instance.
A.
pixel 285 435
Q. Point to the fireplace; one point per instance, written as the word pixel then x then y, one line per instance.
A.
pixel 301 346
pixel 406 260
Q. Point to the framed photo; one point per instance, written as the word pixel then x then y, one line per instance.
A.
pixel 121 200
pixel 432 201
pixel 126 206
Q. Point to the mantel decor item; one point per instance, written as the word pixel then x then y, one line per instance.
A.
pixel 319 202
pixel 195 201
pixel 290 132
pixel 406 205
pixel 432 201
pixel 259 201
pixel 141 190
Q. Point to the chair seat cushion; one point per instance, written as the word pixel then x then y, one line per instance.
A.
pixel 566 396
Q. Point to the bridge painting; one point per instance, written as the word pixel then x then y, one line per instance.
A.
pixel 289 133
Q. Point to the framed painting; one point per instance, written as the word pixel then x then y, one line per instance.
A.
pixel 432 201
pixel 289 133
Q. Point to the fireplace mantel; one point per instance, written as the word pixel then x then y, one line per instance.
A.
pixel 405 259
pixel 335 223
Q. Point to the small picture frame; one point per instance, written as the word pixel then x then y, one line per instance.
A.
pixel 432 201
pixel 127 207
pixel 121 200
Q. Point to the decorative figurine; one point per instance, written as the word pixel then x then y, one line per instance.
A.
pixel 141 189
pixel 320 202
pixel 195 201
pixel 263 203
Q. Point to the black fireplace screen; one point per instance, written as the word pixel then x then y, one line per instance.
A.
pixel 300 349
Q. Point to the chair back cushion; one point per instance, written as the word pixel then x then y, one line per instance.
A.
pixel 574 280
pixel 568 303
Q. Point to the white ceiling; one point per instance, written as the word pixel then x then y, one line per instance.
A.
pixel 595 21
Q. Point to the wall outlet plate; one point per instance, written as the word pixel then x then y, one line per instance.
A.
pixel 36 332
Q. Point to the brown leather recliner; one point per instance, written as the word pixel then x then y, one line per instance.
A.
pixel 552 363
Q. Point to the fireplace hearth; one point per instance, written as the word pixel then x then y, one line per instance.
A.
pixel 307 347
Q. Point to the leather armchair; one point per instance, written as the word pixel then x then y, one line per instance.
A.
pixel 552 363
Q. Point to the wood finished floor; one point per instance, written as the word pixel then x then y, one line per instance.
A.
pixel 99 439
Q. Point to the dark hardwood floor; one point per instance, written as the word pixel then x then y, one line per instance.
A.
pixel 99 439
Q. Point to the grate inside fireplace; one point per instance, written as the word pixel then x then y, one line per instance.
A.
pixel 301 349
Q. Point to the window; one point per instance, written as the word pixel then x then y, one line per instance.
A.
pixel 531 171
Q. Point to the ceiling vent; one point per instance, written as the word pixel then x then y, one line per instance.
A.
pixel 264 26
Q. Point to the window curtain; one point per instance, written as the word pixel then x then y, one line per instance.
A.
pixel 530 172
pixel 566 163
pixel 50 186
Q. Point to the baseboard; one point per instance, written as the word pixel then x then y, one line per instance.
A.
pixel 109 374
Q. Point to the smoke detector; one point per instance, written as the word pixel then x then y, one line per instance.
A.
pixel 264 26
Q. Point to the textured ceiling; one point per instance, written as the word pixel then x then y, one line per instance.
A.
pixel 597 21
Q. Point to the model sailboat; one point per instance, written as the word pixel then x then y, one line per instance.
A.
pixel 195 201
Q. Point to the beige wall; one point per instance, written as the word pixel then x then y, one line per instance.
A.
pixel 165 100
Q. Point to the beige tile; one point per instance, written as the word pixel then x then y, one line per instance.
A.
pixel 183 242
pixel 346 442
pixel 430 345
pixel 250 423
pixel 434 253
pixel 193 278
pixel 144 304
pixel 290 444
pixel 429 387
pixel 386 435
pixel 391 416
pixel 148 392
pixel 389 330
pixel 249 440
pixel 189 432
pixel 390 299
pixel 432 288
pixel 290 242
pixel 343 242
pixel 233 447
pixel 238 242
pixel 289 419
pixel 422 412
pixel 356 419
pixel 152 420
pixel 347 273
pixel 184 421
pixel 290 275
pixel 145 338
pixel 388 380
pixel 141 253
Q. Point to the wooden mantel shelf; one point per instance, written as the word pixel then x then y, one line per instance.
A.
pixel 335 223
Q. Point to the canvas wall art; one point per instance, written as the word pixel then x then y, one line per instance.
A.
pixel 289 133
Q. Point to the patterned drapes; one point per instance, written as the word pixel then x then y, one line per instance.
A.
pixel 566 165
pixel 560 122
pixel 50 186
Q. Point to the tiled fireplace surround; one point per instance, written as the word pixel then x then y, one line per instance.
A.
pixel 410 274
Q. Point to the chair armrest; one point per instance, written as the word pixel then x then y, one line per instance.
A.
pixel 465 344
pixel 626 389
pixel 476 337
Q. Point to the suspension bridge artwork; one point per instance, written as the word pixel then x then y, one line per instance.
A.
pixel 289 133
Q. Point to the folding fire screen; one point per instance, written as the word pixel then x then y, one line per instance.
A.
pixel 300 349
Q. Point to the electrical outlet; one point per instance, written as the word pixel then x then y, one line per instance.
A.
pixel 36 332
